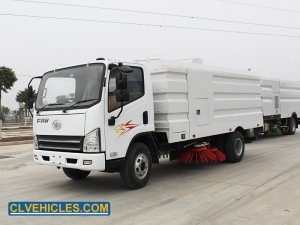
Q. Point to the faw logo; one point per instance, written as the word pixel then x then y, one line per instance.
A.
pixel 42 120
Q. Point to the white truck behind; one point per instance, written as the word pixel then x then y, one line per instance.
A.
pixel 122 117
pixel 281 104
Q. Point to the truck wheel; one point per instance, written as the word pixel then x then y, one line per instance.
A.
pixel 136 170
pixel 234 147
pixel 292 126
pixel 76 174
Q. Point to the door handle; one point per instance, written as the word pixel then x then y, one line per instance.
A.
pixel 145 117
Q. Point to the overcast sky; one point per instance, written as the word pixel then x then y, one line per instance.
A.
pixel 32 45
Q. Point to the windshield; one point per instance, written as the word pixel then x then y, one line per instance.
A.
pixel 64 87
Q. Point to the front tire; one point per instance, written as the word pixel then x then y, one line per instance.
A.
pixel 136 170
pixel 76 174
pixel 234 147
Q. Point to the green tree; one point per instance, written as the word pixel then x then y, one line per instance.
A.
pixel 22 98
pixel 16 113
pixel 5 110
pixel 7 80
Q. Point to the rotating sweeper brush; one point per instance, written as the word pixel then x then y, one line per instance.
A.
pixel 273 130
pixel 202 153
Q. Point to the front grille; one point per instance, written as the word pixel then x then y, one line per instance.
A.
pixel 60 143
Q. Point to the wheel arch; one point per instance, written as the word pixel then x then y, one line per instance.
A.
pixel 242 130
pixel 148 139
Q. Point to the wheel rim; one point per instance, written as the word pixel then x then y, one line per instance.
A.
pixel 238 147
pixel 141 166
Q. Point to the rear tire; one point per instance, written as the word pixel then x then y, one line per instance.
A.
pixel 292 126
pixel 76 174
pixel 135 172
pixel 234 147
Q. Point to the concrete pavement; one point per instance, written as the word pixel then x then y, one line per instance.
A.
pixel 16 133
pixel 262 189
pixel 12 132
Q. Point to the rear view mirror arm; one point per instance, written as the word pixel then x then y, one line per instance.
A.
pixel 112 120
pixel 29 97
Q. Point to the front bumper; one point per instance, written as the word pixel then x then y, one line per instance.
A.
pixel 70 160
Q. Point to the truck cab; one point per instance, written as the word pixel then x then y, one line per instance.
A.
pixel 82 124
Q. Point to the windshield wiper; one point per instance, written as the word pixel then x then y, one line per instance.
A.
pixel 51 104
pixel 64 111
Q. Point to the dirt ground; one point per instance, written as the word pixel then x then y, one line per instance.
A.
pixel 15 128
pixel 11 139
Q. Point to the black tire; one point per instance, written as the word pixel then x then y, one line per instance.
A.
pixel 135 172
pixel 234 147
pixel 76 174
pixel 292 126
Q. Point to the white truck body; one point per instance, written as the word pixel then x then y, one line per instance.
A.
pixel 270 96
pixel 177 104
pixel 225 99
pixel 281 98
pixel 289 98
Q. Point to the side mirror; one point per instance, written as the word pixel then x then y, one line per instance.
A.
pixel 30 92
pixel 30 104
pixel 121 81
pixel 126 69
pixel 122 97
pixel 112 66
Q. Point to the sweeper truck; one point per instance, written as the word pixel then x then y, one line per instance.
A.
pixel 122 117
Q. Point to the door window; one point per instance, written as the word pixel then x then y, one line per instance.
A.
pixel 135 88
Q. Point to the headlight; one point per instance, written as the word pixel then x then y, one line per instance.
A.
pixel 91 142
pixel 35 143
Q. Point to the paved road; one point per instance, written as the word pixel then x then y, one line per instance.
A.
pixel 262 189
pixel 16 133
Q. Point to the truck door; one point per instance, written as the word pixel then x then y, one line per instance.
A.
pixel 134 117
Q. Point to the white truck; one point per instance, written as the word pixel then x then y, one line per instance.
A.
pixel 122 117
pixel 281 104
